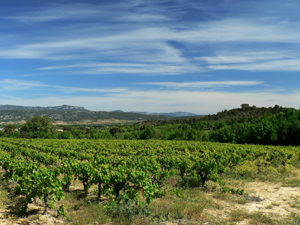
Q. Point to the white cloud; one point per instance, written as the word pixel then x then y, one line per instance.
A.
pixel 275 65
pixel 204 84
pixel 56 12
pixel 254 61
pixel 141 68
pixel 150 43
pixel 246 57
pixel 145 49
pixel 17 85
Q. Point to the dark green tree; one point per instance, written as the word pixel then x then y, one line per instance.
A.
pixel 9 129
pixel 148 133
pixel 38 124
pixel 114 130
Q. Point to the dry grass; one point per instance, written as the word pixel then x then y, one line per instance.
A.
pixel 263 203
pixel 4 199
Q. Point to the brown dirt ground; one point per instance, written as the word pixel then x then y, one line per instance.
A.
pixel 271 199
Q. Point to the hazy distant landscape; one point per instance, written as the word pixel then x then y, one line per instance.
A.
pixel 79 115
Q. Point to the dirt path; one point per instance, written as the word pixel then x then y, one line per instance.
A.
pixel 277 200
pixel 272 200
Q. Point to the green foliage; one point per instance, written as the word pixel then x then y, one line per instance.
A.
pixel 131 172
pixel 148 133
pixel 61 210
pixel 37 134
pixel 65 135
pixel 189 182
pixel 9 129
pixel 238 191
pixel 267 126
pixel 114 130
pixel 38 124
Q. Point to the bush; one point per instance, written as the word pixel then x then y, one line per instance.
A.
pixel 189 182
pixel 148 133
pixel 24 134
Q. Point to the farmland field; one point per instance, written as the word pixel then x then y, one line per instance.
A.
pixel 147 182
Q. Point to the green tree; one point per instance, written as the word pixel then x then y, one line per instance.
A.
pixel 114 130
pixel 38 124
pixel 9 129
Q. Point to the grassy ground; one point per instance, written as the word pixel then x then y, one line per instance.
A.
pixel 270 198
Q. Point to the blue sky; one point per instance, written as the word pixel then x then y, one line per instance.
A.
pixel 198 56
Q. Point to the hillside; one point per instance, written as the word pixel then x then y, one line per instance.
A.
pixel 39 108
pixel 74 116
pixel 243 114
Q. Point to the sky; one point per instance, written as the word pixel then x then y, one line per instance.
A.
pixel 198 56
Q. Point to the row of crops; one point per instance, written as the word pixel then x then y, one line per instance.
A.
pixel 124 170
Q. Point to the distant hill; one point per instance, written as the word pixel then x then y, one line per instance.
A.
pixel 180 114
pixel 172 114
pixel 14 116
pixel 39 108
pixel 246 112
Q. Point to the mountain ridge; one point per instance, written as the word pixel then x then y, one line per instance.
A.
pixel 88 117
pixel 48 108
pixel 78 114
pixel 70 108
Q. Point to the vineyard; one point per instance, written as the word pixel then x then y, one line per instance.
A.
pixel 129 171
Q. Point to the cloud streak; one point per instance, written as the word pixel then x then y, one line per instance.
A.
pixel 146 53
pixel 205 84
pixel 17 85
pixel 151 44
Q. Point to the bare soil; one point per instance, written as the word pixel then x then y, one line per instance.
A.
pixel 270 199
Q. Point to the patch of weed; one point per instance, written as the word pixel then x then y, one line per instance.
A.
pixel 275 204
pixel 89 214
pixel 258 217
pixel 79 211
pixel 291 183
pixel 189 182
pixel 238 215
pixel 293 219
pixel 127 210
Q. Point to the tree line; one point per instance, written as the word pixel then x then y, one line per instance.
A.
pixel 275 126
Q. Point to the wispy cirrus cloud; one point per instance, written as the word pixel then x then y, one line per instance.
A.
pixel 127 68
pixel 129 45
pixel 114 44
pixel 55 12
pixel 254 61
pixel 17 85
pixel 204 84
pixel 246 57
pixel 130 11
pixel 275 65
